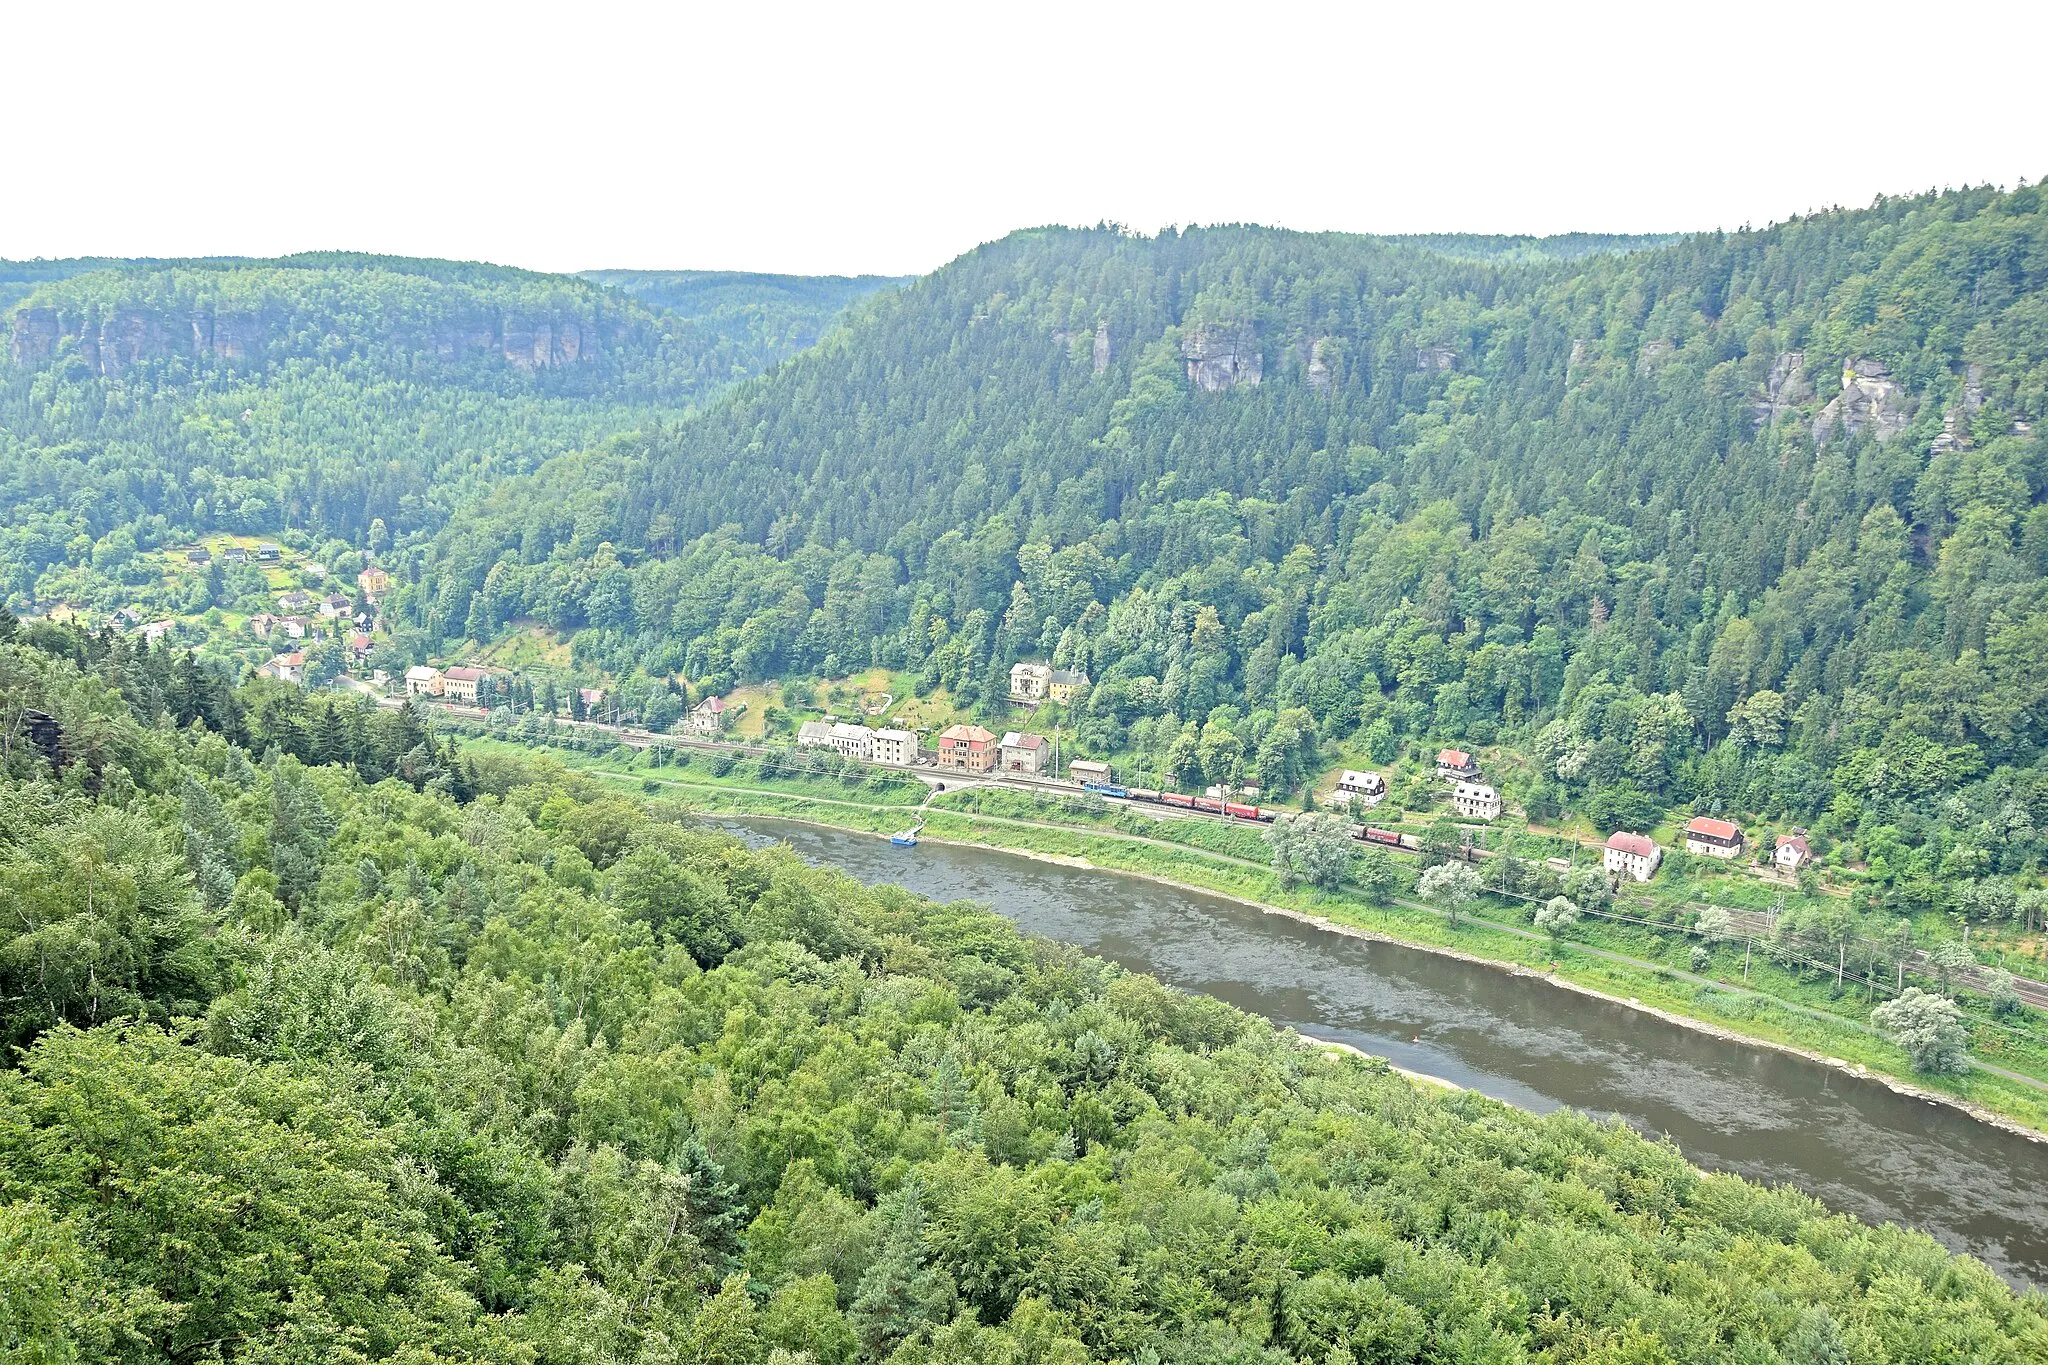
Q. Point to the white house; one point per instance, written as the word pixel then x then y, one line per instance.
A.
pixel 334 604
pixel 814 734
pixel 1085 770
pixel 1029 681
pixel 1476 801
pixel 1355 788
pixel 1636 855
pixel 853 741
pixel 422 681
pixel 1025 754
pixel 460 684
pixel 709 716
pixel 289 668
pixel 1711 838
pixel 897 748
pixel 1792 853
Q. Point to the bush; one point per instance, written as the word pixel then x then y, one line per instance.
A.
pixel 1930 1029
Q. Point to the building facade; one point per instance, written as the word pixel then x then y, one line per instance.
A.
pixel 709 716
pixel 1065 684
pixel 1631 855
pixel 1029 681
pixel 1792 853
pixel 897 748
pixel 967 749
pixel 1456 765
pixel 460 684
pixel 422 681
pixel 1476 801
pixel 1356 788
pixel 1086 770
pixel 1027 755
pixel 1711 838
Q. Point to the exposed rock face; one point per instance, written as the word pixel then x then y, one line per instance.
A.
pixel 1321 372
pixel 1101 347
pixel 116 340
pixel 1222 357
pixel 1955 423
pixel 1787 387
pixel 1653 354
pixel 1435 357
pixel 1870 400
pixel 1578 357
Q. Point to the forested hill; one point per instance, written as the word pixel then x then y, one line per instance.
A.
pixel 329 391
pixel 1241 474
pixel 1561 246
pixel 326 1042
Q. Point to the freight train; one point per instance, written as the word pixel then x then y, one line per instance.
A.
pixel 1210 805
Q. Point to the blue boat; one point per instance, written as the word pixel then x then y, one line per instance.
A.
pixel 907 839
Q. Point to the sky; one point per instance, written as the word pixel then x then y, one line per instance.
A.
pixel 888 139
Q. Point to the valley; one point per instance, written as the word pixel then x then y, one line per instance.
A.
pixel 802 820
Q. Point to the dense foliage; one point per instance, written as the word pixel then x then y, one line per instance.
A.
pixel 482 1063
pixel 148 402
pixel 1745 523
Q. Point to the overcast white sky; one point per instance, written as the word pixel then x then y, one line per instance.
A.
pixel 890 138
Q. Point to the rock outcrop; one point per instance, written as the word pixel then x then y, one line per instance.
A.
pixel 1870 400
pixel 1435 358
pixel 114 340
pixel 1321 371
pixel 1654 353
pixel 1786 388
pixel 1101 347
pixel 1955 423
pixel 1222 357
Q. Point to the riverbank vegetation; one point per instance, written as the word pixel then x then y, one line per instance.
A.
pixel 479 1058
pixel 1760 988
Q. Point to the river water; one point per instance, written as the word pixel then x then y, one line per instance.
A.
pixel 1766 1115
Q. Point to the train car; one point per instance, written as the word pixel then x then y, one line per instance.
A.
pixel 1144 794
pixel 1103 789
pixel 1181 799
pixel 1381 836
pixel 1240 812
pixel 1211 804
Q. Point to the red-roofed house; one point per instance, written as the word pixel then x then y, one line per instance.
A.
pixel 1711 838
pixel 967 749
pixel 289 668
pixel 1792 853
pixel 1634 854
pixel 1456 765
pixel 710 716
pixel 359 644
pixel 1027 754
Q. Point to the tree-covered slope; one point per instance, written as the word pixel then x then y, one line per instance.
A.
pixel 352 1051
pixel 328 391
pixel 737 323
pixel 1747 522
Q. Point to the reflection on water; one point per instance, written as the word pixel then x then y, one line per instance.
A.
pixel 1769 1116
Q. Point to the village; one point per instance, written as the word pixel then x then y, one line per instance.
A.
pixel 323 636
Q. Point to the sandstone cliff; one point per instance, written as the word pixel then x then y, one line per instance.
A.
pixel 1222 356
pixel 1870 400
pixel 117 338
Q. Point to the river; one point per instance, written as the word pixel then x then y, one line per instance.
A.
pixel 1767 1115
